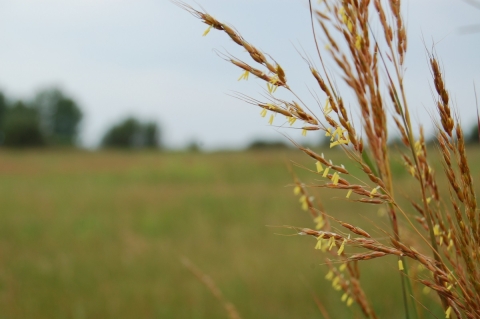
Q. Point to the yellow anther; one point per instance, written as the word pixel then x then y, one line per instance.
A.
pixel 400 265
pixel 358 42
pixel 319 167
pixel 304 132
pixel 335 178
pixel 335 281
pixel 325 246
pixel 344 297
pixel 325 172
pixel 342 247
pixel 244 76
pixel 334 144
pixel 297 190
pixel 270 88
pixel 338 131
pixel 319 241
pixel 418 146
pixel 448 312
pixel 332 243
pixel 436 230
pixel 320 222
pixel 450 244
pixel 329 275
pixel 208 30
pixel 350 26
pixel 342 13
pixel 328 108
pixel 305 205
pixel 374 191
pixel 349 193
pixel 349 301
pixel 426 290
pixel 412 171
pixel 263 113
pixel 270 121
pixel 272 84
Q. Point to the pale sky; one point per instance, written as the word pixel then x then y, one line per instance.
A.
pixel 148 58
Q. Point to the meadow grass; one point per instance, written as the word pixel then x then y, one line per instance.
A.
pixel 100 235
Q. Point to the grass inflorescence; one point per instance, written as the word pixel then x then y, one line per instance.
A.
pixel 436 232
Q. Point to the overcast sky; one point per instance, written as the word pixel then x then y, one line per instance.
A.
pixel 148 58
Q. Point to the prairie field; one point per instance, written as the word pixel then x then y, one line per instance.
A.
pixel 101 235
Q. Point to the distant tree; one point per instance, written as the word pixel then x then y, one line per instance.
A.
pixel 267 145
pixel 472 138
pixel 60 116
pixel 152 135
pixel 21 126
pixel 193 146
pixel 122 134
pixel 3 113
pixel 131 133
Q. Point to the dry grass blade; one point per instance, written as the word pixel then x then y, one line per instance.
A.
pixel 212 287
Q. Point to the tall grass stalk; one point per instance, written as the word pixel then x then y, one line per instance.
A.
pixel 442 232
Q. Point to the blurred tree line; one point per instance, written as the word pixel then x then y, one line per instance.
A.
pixel 52 118
pixel 131 133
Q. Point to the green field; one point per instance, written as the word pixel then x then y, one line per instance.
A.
pixel 100 235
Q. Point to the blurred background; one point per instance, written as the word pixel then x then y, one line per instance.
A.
pixel 122 150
